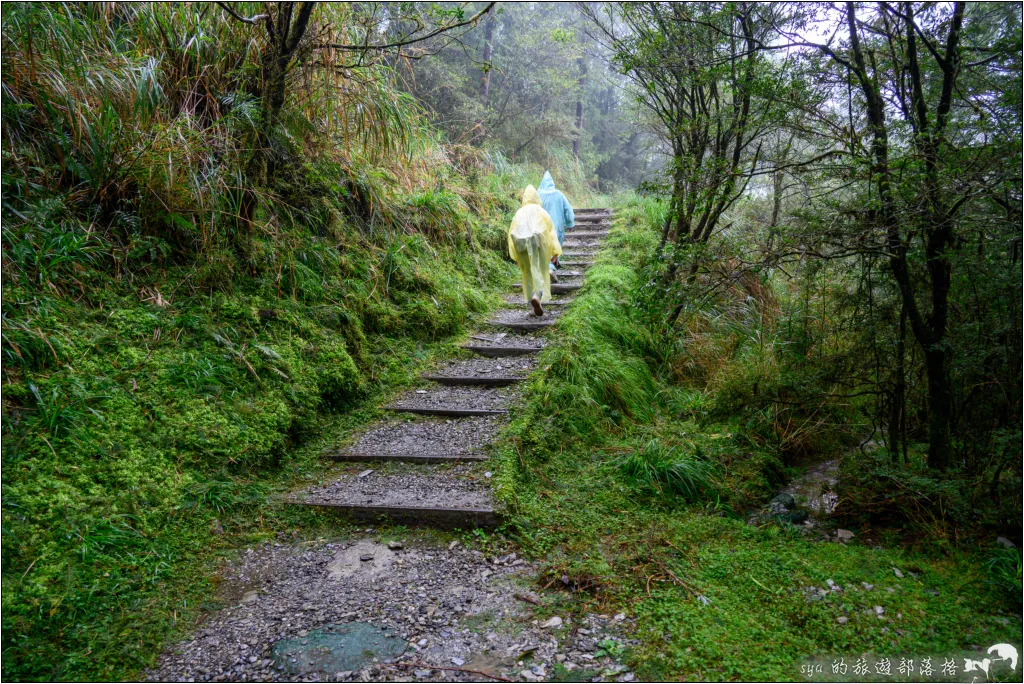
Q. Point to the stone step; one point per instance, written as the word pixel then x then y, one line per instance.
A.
pixel 439 517
pixel 525 326
pixel 472 380
pixel 590 211
pixel 559 288
pixel 383 457
pixel 515 301
pixel 444 495
pixel 454 412
pixel 493 351
pixel 584 234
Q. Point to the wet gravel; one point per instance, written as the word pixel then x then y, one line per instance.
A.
pixel 580 242
pixel 436 486
pixel 444 397
pixel 517 300
pixel 508 340
pixel 456 608
pixel 512 367
pixel 525 315
pixel 430 435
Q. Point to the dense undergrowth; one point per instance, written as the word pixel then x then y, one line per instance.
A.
pixel 639 457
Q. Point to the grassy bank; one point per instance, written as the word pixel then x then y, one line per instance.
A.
pixel 631 474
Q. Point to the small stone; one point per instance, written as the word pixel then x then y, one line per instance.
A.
pixel 453 545
pixel 879 611
pixel 842 620
pixel 628 677
pixel 1006 542
pixel 528 676
pixel 844 535
pixel 395 546
pixel 422 643
pixel 867 587
pixel 366 557
pixel 538 670
pixel 552 623
pixel 488 475
pixel 619 617
pixel 784 501
pixel 458 662
pixel 364 474
pixel 560 657
pixel 896 571
pixel 422 674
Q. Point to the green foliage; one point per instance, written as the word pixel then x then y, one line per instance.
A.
pixel 620 510
pixel 689 477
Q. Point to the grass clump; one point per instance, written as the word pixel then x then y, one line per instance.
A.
pixel 669 473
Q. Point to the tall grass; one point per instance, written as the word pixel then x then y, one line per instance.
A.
pixel 688 477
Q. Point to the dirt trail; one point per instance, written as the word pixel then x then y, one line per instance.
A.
pixel 370 608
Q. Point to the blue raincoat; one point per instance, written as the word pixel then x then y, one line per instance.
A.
pixel 556 205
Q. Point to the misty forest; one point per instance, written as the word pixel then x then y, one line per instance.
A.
pixel 512 341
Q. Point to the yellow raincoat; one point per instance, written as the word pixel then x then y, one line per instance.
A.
pixel 532 242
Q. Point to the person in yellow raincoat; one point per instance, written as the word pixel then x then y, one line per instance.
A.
pixel 532 241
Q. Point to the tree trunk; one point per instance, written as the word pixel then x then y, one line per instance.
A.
pixel 579 110
pixel 940 409
pixel 485 71
pixel 776 198
pixel 897 412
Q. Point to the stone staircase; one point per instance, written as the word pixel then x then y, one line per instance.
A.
pixel 427 465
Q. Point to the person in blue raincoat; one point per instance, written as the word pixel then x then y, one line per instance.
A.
pixel 558 208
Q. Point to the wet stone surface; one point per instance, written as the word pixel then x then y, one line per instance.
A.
pixel 512 367
pixel 452 608
pixel 436 396
pixel 525 315
pixel 507 339
pixel 442 436
pixel 447 486
pixel 806 501
pixel 516 300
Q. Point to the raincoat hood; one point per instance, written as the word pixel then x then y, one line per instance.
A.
pixel 530 196
pixel 547 183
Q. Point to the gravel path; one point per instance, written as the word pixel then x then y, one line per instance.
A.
pixel 437 486
pixel 383 609
pixel 561 301
pixel 513 367
pixel 524 315
pixel 451 607
pixel 429 435
pixel 508 340
pixel 443 397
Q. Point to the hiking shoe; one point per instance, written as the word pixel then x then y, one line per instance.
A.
pixel 538 310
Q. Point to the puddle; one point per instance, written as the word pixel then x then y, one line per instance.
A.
pixel 337 648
